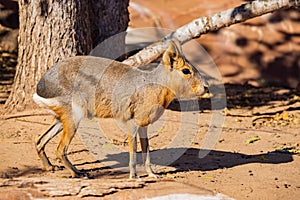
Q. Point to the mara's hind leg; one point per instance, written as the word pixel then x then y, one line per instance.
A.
pixel 146 151
pixel 43 139
pixel 69 130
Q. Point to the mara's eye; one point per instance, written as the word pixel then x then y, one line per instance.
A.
pixel 186 71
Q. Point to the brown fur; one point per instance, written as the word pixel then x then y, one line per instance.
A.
pixel 85 86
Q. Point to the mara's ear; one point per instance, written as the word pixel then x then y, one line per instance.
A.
pixel 173 53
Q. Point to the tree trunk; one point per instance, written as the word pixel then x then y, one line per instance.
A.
pixel 52 30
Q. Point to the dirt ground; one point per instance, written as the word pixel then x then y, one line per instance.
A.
pixel 256 156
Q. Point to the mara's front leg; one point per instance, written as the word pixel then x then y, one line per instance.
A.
pixel 146 151
pixel 132 133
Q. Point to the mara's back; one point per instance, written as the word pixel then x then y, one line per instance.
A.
pixel 89 84
pixel 74 74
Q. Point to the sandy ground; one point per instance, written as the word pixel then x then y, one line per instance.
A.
pixel 256 156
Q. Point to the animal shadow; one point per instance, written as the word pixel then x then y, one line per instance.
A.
pixel 188 159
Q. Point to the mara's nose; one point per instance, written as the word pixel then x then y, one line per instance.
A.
pixel 202 90
pixel 205 90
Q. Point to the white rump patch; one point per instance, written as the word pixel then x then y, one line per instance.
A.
pixel 45 103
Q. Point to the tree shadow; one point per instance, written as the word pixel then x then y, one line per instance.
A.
pixel 275 54
pixel 248 96
pixel 240 96
pixel 15 172
pixel 9 14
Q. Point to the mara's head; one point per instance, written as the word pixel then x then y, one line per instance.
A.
pixel 182 77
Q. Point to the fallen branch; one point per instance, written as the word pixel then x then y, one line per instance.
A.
pixel 210 23
pixel 21 115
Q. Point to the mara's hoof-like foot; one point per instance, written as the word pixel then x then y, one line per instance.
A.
pixel 153 175
pixel 52 168
pixel 133 176
pixel 80 174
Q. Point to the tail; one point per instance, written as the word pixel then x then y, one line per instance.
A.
pixel 45 103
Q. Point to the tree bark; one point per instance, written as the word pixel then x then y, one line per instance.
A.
pixel 52 30
pixel 210 23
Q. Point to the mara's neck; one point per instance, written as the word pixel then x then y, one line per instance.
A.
pixel 159 76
